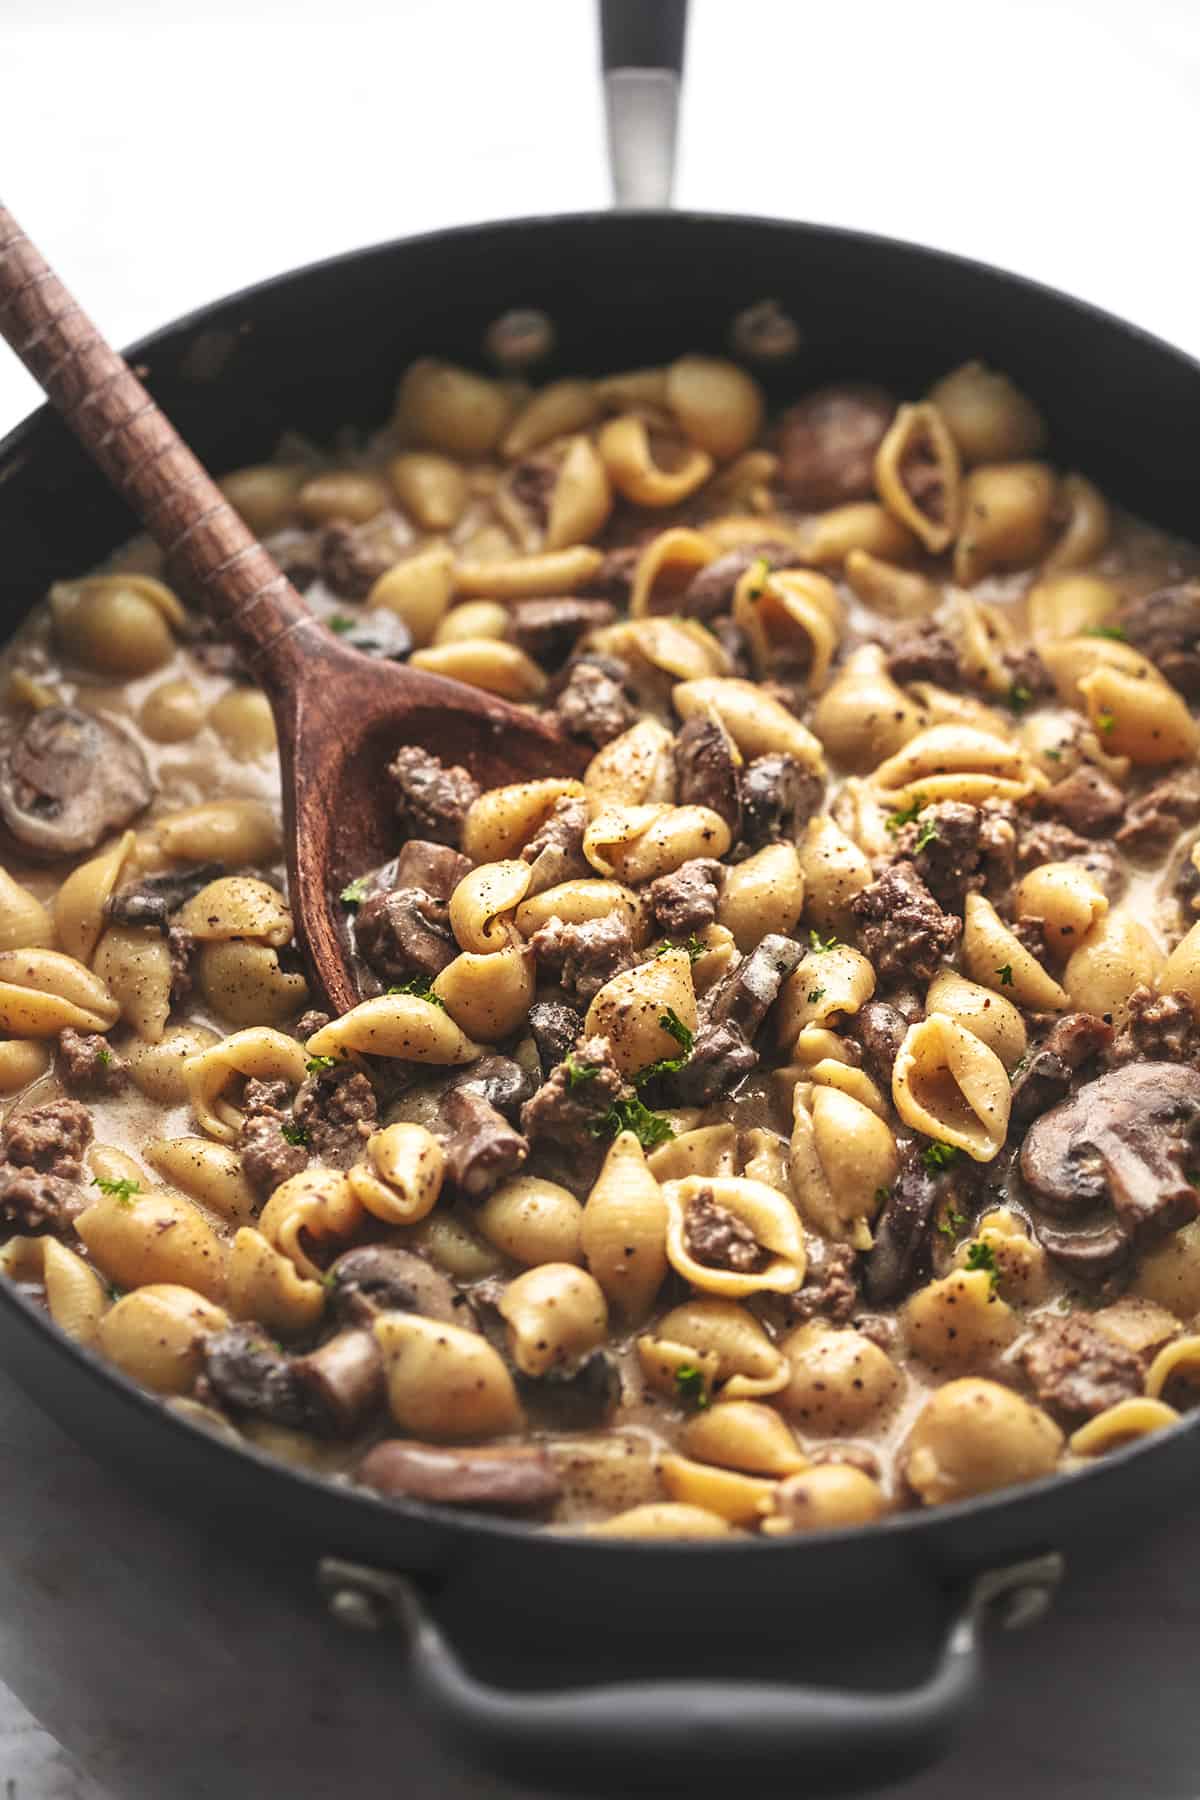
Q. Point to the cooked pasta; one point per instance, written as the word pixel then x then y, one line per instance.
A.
pixel 784 1114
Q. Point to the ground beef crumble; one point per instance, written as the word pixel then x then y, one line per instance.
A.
pixel 830 1289
pixel 268 1157
pixel 1159 1028
pixel 41 1171
pixel 337 1111
pixel 1153 818
pixel 717 1238
pixel 577 1092
pixel 50 1138
pixel 431 800
pixel 583 956
pixel 1085 801
pixel 593 703
pixel 1076 1371
pixel 685 902
pixel 924 652
pixel 86 1064
pixel 942 844
pixel 904 931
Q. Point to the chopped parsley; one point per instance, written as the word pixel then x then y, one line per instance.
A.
pixel 1005 974
pixel 951 1222
pixel 694 948
pixel 815 994
pixel 295 1134
pixel 104 1057
pixel 122 1188
pixel 673 1025
pixel 649 1128
pixel 820 944
pixel 760 574
pixel 1019 697
pixel 906 815
pixel 1054 755
pixel 928 834
pixel 355 893
pixel 420 987
pixel 317 1065
pixel 1117 633
pixel 579 1072
pixel 1019 1068
pixel 982 1256
pixel 882 1195
pixel 690 1386
pixel 341 623
pixel 1106 720
pixel 937 1155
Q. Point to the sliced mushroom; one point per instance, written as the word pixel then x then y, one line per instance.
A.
pixel 511 1478
pixel 705 772
pixel 901 1230
pixel 152 900
pixel 250 1374
pixel 378 1278
pixel 341 1384
pixel 555 1029
pixel 499 1080
pixel 1046 1077
pixel 482 1148
pixel 1126 1138
pixel 1089 1256
pixel 69 779
pixel 748 992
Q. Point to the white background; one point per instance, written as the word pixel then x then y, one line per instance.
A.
pixel 163 154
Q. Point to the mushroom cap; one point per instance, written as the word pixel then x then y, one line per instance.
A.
pixel 68 779
pixel 382 1278
pixel 250 1374
pixel 1124 1139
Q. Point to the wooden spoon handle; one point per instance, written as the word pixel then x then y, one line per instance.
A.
pixel 146 460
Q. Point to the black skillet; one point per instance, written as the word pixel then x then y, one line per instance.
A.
pixel 833 1662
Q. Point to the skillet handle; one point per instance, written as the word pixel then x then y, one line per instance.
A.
pixel 641 50
pixel 585 1735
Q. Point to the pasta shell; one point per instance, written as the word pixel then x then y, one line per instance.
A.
pixel 949 1085
pixel 843 1159
pixel 747 1362
pixel 80 901
pixel 770 1217
pixel 666 567
pixel 745 1435
pixel 919 477
pixel 1121 1424
pixel 624 1229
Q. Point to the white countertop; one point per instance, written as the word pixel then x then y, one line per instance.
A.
pixel 162 154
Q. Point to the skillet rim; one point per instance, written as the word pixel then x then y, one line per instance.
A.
pixel 916 1524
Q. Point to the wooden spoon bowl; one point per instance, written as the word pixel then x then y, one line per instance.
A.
pixel 336 736
pixel 340 715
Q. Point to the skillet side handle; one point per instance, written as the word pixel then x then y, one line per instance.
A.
pixel 586 1735
pixel 641 51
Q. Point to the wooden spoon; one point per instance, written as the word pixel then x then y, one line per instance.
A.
pixel 340 715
